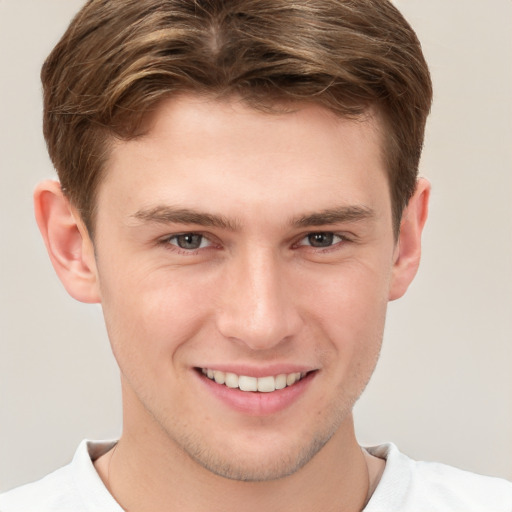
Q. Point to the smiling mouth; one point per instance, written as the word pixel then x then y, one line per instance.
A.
pixel 258 384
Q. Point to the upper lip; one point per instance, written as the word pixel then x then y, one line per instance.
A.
pixel 259 371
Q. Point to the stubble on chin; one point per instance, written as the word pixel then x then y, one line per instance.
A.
pixel 258 463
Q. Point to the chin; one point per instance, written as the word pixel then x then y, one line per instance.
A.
pixel 260 468
pixel 260 460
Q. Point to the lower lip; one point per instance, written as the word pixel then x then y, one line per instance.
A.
pixel 257 403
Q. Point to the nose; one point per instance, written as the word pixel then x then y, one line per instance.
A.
pixel 257 306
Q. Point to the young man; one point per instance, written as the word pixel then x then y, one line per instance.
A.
pixel 238 189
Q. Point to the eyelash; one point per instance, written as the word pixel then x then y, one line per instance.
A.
pixel 329 234
pixel 166 242
pixel 343 239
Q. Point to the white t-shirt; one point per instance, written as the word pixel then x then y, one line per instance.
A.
pixel 405 486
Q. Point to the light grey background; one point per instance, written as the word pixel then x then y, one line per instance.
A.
pixel 443 390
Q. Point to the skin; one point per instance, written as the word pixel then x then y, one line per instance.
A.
pixel 255 295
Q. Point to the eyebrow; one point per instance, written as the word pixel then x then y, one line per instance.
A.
pixel 334 216
pixel 172 215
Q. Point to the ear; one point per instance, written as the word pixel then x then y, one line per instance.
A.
pixel 68 243
pixel 408 247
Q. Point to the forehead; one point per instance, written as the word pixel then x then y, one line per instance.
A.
pixel 197 115
pixel 222 153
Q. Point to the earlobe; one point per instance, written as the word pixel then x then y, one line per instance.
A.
pixel 408 247
pixel 68 243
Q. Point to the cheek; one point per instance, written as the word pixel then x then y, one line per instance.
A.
pixel 355 333
pixel 349 307
pixel 149 314
pixel 352 295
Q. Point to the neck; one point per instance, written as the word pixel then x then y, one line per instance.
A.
pixel 150 473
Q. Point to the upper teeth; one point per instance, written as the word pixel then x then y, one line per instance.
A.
pixel 245 383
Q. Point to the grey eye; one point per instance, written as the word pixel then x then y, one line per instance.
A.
pixel 320 239
pixel 188 241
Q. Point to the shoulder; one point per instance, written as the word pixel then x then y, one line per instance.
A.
pixel 409 485
pixel 75 487
pixel 55 492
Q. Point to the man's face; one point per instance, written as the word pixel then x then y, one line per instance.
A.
pixel 247 246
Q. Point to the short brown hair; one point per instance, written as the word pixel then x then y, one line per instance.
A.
pixel 119 58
